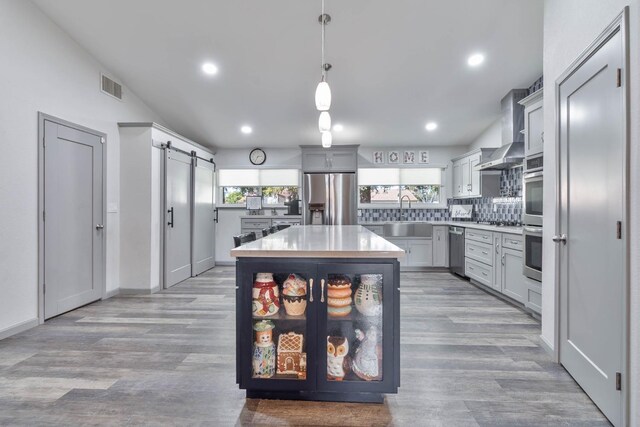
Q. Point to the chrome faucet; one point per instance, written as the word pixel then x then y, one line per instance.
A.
pixel 402 215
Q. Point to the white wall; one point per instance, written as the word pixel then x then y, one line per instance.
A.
pixel 44 70
pixel 569 27
pixel 229 218
pixel 236 158
pixel 438 157
pixel 491 137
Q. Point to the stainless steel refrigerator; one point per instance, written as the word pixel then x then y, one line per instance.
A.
pixel 330 199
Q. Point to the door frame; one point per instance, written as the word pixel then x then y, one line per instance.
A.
pixel 619 24
pixel 42 117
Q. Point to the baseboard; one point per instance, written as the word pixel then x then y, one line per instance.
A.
pixel 547 347
pixel 225 263
pixel 132 291
pixel 111 293
pixel 20 327
pixel 424 269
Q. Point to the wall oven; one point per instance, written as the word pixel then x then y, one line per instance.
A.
pixel 532 260
pixel 532 192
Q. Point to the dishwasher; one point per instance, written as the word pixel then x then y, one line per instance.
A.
pixel 456 250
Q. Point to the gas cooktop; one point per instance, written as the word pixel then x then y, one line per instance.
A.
pixel 501 223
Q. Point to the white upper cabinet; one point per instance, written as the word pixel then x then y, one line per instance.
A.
pixel 469 182
pixel 533 124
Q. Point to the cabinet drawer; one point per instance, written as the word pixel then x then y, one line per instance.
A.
pixel 479 251
pixel 478 235
pixel 512 241
pixel 479 272
pixel 255 223
pixel 534 296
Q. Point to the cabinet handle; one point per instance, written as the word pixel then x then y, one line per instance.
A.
pixel 485 253
pixel 310 290
pixel 471 249
pixel 502 259
pixel 471 268
pixel 484 273
pixel 170 212
pixel 485 237
pixel 497 248
pixel 515 242
pixel 321 290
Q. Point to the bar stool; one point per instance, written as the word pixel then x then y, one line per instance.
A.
pixel 241 239
pixel 266 232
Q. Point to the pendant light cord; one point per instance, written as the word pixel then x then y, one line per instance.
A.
pixel 323 25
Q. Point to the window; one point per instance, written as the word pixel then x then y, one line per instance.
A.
pixel 276 186
pixel 388 185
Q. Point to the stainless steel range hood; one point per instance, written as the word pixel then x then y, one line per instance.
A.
pixel 512 151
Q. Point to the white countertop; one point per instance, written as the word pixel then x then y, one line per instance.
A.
pixel 272 216
pixel 465 224
pixel 320 241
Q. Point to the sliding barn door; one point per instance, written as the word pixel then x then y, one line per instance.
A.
pixel 177 259
pixel 203 216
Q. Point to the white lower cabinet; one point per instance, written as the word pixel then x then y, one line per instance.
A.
pixel 495 260
pixel 513 284
pixel 418 252
pixel 440 246
pixel 534 295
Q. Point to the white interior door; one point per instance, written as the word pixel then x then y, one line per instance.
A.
pixel 203 216
pixel 73 218
pixel 592 141
pixel 177 217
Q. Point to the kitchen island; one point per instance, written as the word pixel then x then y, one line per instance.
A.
pixel 318 315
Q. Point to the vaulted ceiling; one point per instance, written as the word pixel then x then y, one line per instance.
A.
pixel 396 64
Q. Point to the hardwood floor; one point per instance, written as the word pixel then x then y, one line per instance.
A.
pixel 468 359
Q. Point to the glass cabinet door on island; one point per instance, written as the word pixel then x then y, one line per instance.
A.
pixel 356 318
pixel 279 341
pixel 328 330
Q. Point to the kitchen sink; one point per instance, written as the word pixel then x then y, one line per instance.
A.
pixel 408 229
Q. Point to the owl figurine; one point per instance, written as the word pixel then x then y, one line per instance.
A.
pixel 337 349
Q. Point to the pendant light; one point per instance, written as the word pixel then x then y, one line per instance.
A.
pixel 323 91
pixel 324 122
pixel 326 139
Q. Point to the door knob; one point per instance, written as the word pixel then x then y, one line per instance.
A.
pixel 99 226
pixel 561 238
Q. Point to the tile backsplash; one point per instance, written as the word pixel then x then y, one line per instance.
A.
pixel 505 208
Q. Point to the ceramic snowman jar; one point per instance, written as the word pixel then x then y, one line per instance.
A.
pixel 265 295
pixel 264 350
pixel 368 296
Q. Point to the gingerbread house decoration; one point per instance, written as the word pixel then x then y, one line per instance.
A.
pixel 291 359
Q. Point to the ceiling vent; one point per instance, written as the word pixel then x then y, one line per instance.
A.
pixel 110 87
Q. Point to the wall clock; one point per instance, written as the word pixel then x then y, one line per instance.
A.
pixel 257 156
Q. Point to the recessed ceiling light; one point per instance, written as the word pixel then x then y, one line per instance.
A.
pixel 475 59
pixel 431 126
pixel 209 68
pixel 338 127
pixel 246 129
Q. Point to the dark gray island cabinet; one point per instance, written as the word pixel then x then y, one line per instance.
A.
pixel 318 315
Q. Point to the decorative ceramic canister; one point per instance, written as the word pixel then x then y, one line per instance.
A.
pixel 294 295
pixel 264 350
pixel 339 296
pixel 368 296
pixel 337 350
pixel 266 298
pixel 366 364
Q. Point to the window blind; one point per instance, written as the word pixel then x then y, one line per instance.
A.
pixel 397 176
pixel 258 177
